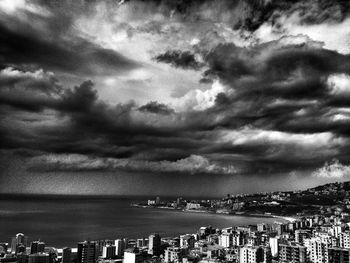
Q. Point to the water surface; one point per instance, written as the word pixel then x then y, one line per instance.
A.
pixel 62 223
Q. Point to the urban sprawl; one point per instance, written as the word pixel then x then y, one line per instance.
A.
pixel 318 238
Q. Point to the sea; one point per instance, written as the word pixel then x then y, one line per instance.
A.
pixel 64 222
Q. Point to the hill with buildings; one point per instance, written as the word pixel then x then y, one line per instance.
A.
pixel 324 199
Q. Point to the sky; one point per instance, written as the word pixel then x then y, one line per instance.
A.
pixel 160 97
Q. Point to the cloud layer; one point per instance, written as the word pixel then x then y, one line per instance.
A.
pixel 242 88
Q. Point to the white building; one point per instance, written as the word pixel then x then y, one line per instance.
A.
pixel 119 247
pixel 226 240
pixel 108 251
pixel 273 242
pixel 251 254
pixel 173 254
pixel 344 239
pixel 193 206
pixel 132 256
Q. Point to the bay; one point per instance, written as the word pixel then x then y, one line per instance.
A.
pixel 62 222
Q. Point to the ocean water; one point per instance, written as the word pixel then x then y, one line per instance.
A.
pixel 62 223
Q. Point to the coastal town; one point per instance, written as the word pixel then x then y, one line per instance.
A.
pixel 325 200
pixel 320 238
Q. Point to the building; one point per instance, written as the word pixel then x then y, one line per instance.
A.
pixel 3 247
pixel 108 251
pixel 38 258
pixel 119 247
pixel 151 202
pixel 154 245
pixel 344 239
pixel 187 241
pixel 293 253
pixel 301 234
pixel 226 240
pixel 66 255
pixel 251 254
pixel 19 240
pixel 21 249
pixel 273 242
pixel 318 250
pixel 173 254
pixel 261 227
pixel 132 255
pixel 279 228
pixel 22 258
pixel 193 206
pixel 86 252
pixel 267 255
pixel 37 247
pixel 338 255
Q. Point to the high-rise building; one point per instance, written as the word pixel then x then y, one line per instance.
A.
pixel 18 240
pixel 273 242
pixel 125 243
pixel 317 248
pixel 293 253
pixel 239 238
pixel 66 255
pixel 344 239
pixel 267 254
pixel 86 252
pixel 119 247
pixel 37 247
pixel 154 245
pixel 226 240
pixel 251 254
pixel 141 242
pixel 108 251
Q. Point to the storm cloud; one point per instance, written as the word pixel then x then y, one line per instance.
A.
pixel 180 59
pixel 192 88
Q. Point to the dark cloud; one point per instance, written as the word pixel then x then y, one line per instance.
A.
pixel 257 12
pixel 78 56
pixel 251 14
pixel 155 107
pixel 259 121
pixel 181 59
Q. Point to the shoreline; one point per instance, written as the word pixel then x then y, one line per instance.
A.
pixel 244 214
pixel 287 218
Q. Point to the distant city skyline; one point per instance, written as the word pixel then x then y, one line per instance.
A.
pixel 192 98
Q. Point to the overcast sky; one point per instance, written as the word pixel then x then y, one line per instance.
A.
pixel 173 97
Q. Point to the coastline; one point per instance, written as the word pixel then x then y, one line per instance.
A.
pixel 287 218
pixel 245 214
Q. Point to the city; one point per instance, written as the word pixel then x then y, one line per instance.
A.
pixel 320 238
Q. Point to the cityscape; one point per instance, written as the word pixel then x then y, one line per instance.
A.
pixel 320 238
